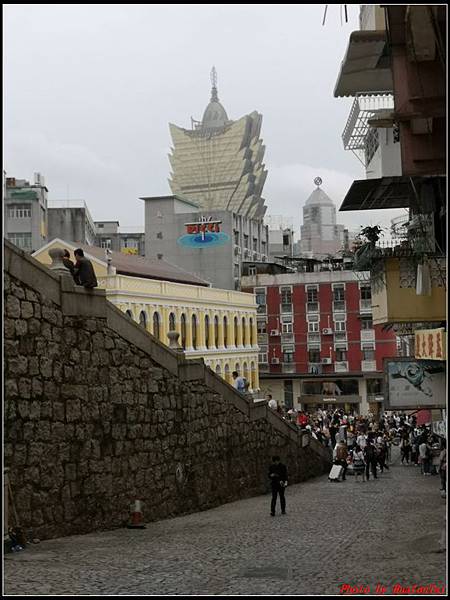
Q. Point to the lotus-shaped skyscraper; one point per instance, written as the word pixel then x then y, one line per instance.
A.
pixel 218 164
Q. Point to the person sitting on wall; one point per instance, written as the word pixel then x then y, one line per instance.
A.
pixel 84 271
pixel 239 382
pixel 69 264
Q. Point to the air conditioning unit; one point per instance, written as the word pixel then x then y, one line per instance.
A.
pixel 326 361
pixel 274 332
pixel 275 361
pixel 327 331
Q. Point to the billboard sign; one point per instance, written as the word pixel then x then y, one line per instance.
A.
pixel 203 234
pixel 413 384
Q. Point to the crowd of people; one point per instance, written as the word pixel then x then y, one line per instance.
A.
pixel 364 443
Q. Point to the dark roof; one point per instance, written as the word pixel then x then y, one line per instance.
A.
pixel 140 266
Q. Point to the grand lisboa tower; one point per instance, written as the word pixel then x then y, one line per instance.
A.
pixel 218 163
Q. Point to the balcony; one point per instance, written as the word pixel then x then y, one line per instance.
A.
pixel 367 335
pixel 286 308
pixel 357 129
pixel 340 336
pixel 287 338
pixel 289 368
pixel 365 306
pixel 315 368
pixel 261 309
pixel 341 366
pixel 263 339
pixel 395 299
pixel 368 365
pixel 339 306
pixel 312 307
pixel 264 367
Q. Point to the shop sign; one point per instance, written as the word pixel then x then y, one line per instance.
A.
pixel 430 344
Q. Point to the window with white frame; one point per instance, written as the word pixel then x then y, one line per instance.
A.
pixel 106 243
pixel 286 327
pixel 367 323
pixel 286 295
pixel 21 240
pixel 288 353
pixel 313 326
pixel 341 354
pixel 260 294
pixel 339 326
pixel 368 351
pixel 252 270
pixel 263 355
pixel 366 292
pixel 312 293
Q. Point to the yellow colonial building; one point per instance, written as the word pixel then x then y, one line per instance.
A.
pixel 215 324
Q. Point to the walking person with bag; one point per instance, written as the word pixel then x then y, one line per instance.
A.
pixel 341 457
pixel 278 479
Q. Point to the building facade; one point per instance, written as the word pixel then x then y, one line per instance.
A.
pixel 26 212
pixel 218 163
pixel 167 222
pixel 129 240
pixel 214 324
pixel 70 220
pixel 317 342
pixel 320 235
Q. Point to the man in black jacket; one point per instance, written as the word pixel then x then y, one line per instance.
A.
pixel 278 478
pixel 84 271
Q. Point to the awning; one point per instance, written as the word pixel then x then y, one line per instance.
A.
pixel 366 66
pixel 386 192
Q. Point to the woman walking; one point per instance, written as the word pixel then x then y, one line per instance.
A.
pixel 359 464
pixel 405 448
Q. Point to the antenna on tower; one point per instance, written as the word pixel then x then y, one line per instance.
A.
pixel 214 96
pixel 214 77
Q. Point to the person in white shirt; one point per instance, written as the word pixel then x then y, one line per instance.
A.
pixel 361 440
pixel 271 402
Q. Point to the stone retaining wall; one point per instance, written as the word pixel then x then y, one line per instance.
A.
pixel 99 413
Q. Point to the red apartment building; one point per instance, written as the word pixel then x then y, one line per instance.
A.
pixel 317 343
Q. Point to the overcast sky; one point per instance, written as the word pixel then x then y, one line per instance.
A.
pixel 89 91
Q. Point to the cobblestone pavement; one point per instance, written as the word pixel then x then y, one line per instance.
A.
pixel 387 531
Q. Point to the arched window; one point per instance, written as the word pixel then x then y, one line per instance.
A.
pixel 129 314
pixel 244 333
pixel 156 326
pixel 172 322
pixel 183 331
pixel 252 334
pixel 216 331
pixel 143 319
pixel 227 373
pixel 218 370
pixel 225 332
pixel 194 332
pixel 235 331
pixel 207 340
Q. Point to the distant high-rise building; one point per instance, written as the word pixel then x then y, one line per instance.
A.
pixel 319 234
pixel 218 164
